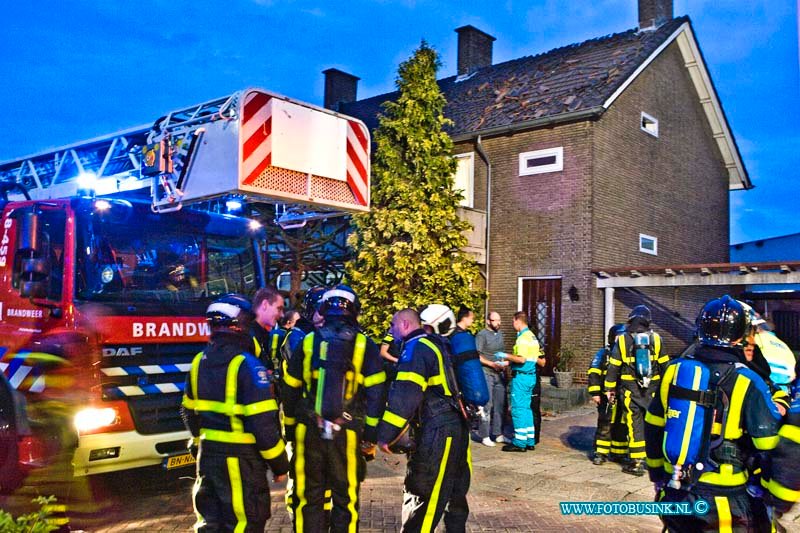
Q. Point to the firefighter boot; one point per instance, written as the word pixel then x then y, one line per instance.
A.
pixel 635 468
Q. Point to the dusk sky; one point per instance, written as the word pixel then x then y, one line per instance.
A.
pixel 73 70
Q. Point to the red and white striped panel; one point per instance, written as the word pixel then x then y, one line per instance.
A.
pixel 256 130
pixel 358 161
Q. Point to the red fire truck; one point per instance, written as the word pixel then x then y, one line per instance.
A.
pixel 111 249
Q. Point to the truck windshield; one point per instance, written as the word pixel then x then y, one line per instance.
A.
pixel 165 262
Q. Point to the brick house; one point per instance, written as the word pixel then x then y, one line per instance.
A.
pixel 610 153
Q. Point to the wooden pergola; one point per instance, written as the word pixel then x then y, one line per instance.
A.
pixel 699 275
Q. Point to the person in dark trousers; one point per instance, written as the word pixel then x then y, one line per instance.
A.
pixel 489 341
pixel 233 418
pixel 439 466
pixel 611 437
pixel 334 391
pixel 781 477
pixel 741 426
pixel 635 366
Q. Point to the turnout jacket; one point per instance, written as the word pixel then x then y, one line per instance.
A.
pixel 266 344
pixel 335 374
pixel 748 430
pixel 597 371
pixel 421 385
pixel 622 362
pixel 781 476
pixel 227 404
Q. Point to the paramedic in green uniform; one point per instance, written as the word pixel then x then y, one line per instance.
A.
pixel 523 378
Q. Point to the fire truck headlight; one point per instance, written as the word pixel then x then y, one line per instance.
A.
pixel 254 225
pixel 90 419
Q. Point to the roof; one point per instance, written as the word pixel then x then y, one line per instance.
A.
pixel 573 82
pixel 572 78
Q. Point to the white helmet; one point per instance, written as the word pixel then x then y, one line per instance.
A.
pixel 440 318
pixel 753 317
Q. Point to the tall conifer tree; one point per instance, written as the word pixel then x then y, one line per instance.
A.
pixel 408 249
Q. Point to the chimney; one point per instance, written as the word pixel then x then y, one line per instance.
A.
pixel 340 88
pixel 654 13
pixel 474 49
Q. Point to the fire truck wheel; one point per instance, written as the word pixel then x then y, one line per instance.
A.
pixel 10 474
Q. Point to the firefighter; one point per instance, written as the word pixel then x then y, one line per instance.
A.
pixel 635 367
pixel 422 396
pixel 612 433
pixel 233 419
pixel 266 330
pixel 781 477
pixel 526 357
pixel 310 319
pixel 334 388
pixel 731 421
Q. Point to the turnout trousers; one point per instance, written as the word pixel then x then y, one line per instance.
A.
pixel 438 477
pixel 729 510
pixel 231 493
pixel 612 431
pixel 635 400
pixel 521 414
pixel 318 464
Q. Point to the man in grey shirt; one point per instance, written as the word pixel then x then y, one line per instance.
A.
pixel 488 341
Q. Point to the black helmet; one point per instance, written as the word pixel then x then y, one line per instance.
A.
pixel 615 331
pixel 311 301
pixel 642 312
pixel 722 323
pixel 340 301
pixel 232 311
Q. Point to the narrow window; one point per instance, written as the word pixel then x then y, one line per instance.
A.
pixel 464 178
pixel 649 124
pixel 541 161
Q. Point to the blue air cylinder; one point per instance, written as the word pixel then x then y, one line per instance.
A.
pixel 468 369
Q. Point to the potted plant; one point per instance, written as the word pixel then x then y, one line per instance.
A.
pixel 563 368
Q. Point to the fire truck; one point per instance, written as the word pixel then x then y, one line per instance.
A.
pixel 111 250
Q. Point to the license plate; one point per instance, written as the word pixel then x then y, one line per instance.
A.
pixel 177 461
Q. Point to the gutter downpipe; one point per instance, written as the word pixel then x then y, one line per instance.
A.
pixel 482 154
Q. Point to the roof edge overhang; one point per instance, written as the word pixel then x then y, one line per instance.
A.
pixel 738 178
pixel 759 273
pixel 561 118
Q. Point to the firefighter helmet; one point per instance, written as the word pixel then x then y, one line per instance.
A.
pixel 641 312
pixel 311 301
pixel 232 311
pixel 340 301
pixel 440 318
pixel 615 331
pixel 404 442
pixel 722 323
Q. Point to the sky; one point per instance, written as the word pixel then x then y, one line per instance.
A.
pixel 72 70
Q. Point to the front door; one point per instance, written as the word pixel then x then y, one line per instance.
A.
pixel 541 301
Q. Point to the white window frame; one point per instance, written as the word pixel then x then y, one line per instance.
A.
pixel 558 166
pixel 643 124
pixel 469 192
pixel 642 249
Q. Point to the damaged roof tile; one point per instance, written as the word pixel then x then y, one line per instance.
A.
pixel 572 78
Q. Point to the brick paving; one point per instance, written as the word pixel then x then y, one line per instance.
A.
pixel 509 492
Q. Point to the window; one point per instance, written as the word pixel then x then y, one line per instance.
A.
pixel 464 178
pixel 541 161
pixel 649 124
pixel 648 244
